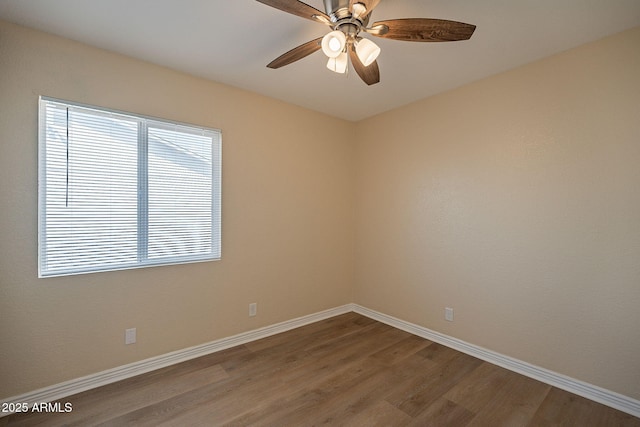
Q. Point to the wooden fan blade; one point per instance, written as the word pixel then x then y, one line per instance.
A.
pixel 368 4
pixel 371 74
pixel 296 53
pixel 426 30
pixel 298 8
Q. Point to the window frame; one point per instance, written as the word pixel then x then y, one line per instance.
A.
pixel 142 211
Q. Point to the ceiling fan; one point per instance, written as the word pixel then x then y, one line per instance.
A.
pixel 348 18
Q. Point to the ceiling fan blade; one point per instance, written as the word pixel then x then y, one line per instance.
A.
pixel 371 74
pixel 425 30
pixel 298 8
pixel 296 53
pixel 368 4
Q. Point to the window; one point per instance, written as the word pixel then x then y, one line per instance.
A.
pixel 118 191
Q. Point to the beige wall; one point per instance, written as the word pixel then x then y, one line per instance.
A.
pixel 513 200
pixel 287 219
pixel 516 201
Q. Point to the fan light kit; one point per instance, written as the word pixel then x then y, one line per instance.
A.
pixel 338 64
pixel 347 19
pixel 334 43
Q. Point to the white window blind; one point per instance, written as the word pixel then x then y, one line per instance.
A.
pixel 121 191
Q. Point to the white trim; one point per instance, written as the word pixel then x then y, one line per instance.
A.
pixel 68 388
pixel 589 391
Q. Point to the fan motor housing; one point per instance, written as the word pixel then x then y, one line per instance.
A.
pixel 332 6
pixel 341 17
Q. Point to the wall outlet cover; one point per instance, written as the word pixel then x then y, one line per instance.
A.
pixel 130 336
pixel 448 314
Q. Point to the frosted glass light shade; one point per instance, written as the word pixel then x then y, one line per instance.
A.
pixel 339 63
pixel 333 43
pixel 367 51
pixel 358 9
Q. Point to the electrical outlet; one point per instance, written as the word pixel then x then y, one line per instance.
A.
pixel 130 336
pixel 448 314
pixel 253 309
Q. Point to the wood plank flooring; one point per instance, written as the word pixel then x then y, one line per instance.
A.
pixel 345 371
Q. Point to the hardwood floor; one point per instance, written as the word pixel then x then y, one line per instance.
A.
pixel 347 370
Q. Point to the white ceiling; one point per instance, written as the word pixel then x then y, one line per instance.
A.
pixel 231 41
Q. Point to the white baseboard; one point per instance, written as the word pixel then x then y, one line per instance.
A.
pixel 68 388
pixel 589 391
